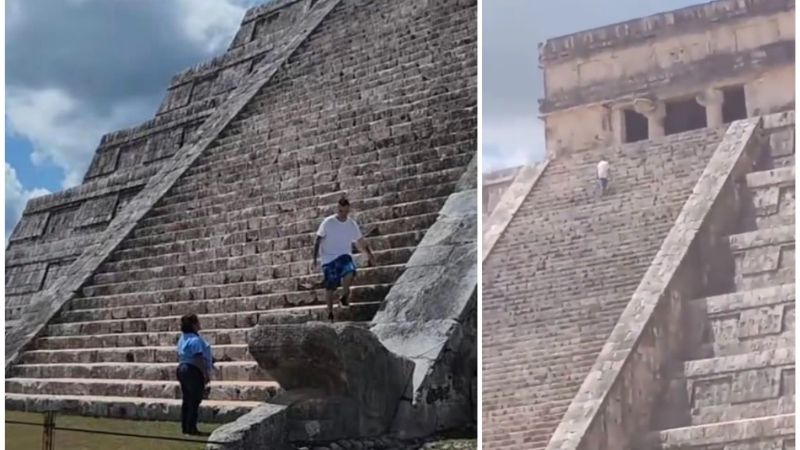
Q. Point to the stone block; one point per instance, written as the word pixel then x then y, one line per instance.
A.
pixel 25 279
pixel 104 162
pixel 338 360
pixel 97 210
pixel 30 226
pixel 263 426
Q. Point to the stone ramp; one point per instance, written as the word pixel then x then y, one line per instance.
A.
pixel 232 238
pixel 565 267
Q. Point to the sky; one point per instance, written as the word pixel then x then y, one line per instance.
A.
pixel 512 133
pixel 78 69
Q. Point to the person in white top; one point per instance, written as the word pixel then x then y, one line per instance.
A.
pixel 602 175
pixel 335 238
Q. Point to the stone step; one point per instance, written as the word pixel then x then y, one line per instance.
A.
pixel 782 176
pixel 296 182
pixel 773 197
pixel 264 240
pixel 226 371
pixel 244 319
pixel 761 344
pixel 304 220
pixel 254 391
pixel 782 145
pixel 307 187
pixel 726 413
pixel 228 157
pixel 251 254
pixel 237 287
pixel 583 200
pixel 135 408
pixel 105 308
pixel 763 258
pixel 362 199
pixel 752 380
pixel 263 217
pixel 749 321
pixel 215 337
pixel 226 336
pixel 143 354
pixel 761 238
pixel 772 432
pixel 237 269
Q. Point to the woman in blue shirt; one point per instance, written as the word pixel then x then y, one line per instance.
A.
pixel 195 364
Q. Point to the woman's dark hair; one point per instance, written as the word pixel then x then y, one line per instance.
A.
pixel 189 323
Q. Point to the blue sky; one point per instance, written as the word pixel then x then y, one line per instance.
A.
pixel 512 83
pixel 77 69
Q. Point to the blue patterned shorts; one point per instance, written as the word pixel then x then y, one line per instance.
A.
pixel 337 269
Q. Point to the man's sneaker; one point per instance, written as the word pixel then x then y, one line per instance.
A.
pixel 330 317
pixel 344 299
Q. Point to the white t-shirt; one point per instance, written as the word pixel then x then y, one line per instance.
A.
pixel 337 237
pixel 602 169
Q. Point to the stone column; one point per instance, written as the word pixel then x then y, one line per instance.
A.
pixel 618 125
pixel 655 111
pixel 712 99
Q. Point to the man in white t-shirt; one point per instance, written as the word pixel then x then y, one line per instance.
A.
pixel 335 239
pixel 602 175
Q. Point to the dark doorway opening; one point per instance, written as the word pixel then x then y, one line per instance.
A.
pixel 735 106
pixel 635 126
pixel 684 115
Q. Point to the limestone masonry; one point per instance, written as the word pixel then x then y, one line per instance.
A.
pixel 661 315
pixel 211 208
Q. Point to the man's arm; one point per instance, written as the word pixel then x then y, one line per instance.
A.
pixel 316 249
pixel 363 246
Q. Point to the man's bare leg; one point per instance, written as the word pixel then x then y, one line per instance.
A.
pixel 347 281
pixel 329 295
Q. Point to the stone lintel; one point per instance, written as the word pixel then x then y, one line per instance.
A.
pixel 686 77
pixel 633 32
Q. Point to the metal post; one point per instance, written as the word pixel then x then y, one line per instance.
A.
pixel 49 424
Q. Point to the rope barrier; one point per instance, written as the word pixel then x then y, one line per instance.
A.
pixel 114 433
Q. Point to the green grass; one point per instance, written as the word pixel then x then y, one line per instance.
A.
pixel 27 437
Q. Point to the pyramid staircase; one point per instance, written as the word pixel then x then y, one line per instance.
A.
pixel 232 238
pixel 562 272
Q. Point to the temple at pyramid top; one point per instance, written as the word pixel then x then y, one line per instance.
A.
pixel 667 73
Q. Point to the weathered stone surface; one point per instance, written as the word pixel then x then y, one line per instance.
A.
pixel 263 427
pixel 340 360
pixel 30 226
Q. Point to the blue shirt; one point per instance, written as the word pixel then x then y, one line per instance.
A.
pixel 190 345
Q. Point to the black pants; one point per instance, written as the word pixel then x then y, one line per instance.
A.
pixel 192 386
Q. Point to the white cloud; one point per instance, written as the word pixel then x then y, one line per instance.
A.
pixel 14 15
pixel 16 198
pixel 62 131
pixel 211 23
pixel 64 120
pixel 512 142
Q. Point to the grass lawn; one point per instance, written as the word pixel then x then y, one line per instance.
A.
pixel 26 437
